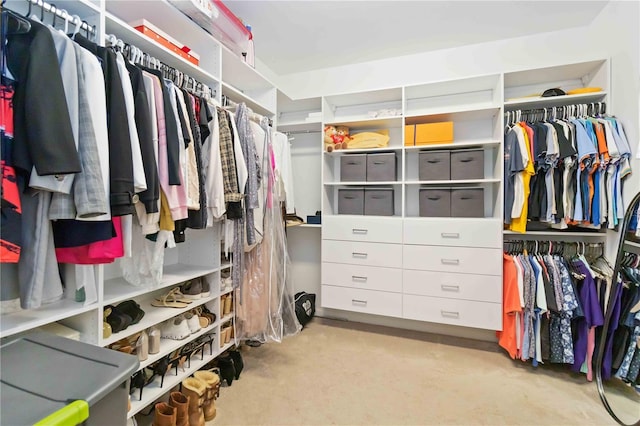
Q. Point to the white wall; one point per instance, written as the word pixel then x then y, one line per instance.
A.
pixel 613 34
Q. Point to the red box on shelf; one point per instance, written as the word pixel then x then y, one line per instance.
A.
pixel 151 31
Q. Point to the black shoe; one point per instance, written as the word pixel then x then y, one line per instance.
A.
pixel 227 369
pixel 238 363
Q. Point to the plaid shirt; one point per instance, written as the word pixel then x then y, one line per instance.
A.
pixel 231 191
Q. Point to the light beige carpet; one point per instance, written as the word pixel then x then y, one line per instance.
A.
pixel 333 374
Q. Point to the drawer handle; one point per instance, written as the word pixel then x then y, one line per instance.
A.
pixel 466 198
pixel 450 314
pixel 466 160
pixel 450 287
pixel 433 198
pixel 353 163
pixel 450 235
pixel 359 231
pixel 360 255
pixel 350 197
pixel 433 161
pixel 357 278
pixel 359 302
pixel 379 162
pixel 450 261
pixel 378 197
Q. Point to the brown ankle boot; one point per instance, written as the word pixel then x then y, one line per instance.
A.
pixel 165 415
pixel 212 380
pixel 180 402
pixel 195 390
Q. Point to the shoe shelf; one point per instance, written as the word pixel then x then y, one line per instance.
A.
pixel 226 265
pixel 153 315
pixel 225 292
pixel 227 318
pixel 228 346
pixel 153 391
pixel 167 346
pixel 27 319
pixel 117 289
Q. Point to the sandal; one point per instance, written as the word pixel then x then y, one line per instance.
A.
pixel 170 300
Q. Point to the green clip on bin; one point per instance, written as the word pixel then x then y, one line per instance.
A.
pixel 50 380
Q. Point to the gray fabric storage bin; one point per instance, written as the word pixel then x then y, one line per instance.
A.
pixel 351 201
pixel 467 164
pixel 467 202
pixel 353 168
pixel 435 202
pixel 433 165
pixel 381 167
pixel 378 202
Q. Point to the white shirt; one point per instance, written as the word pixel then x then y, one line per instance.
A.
pixel 284 169
pixel 214 183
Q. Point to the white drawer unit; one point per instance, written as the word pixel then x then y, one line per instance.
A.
pixel 368 229
pixel 453 259
pixel 453 232
pixel 452 311
pixel 365 301
pixel 365 277
pixel 367 254
pixel 484 288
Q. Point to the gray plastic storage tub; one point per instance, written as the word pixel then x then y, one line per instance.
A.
pixel 433 165
pixel 435 202
pixel 41 373
pixel 353 168
pixel 467 202
pixel 351 201
pixel 381 167
pixel 467 164
pixel 378 202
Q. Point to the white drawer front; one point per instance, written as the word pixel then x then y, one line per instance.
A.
pixel 368 229
pixel 365 277
pixel 483 288
pixel 451 311
pixel 357 253
pixel 453 232
pixel 366 301
pixel 453 259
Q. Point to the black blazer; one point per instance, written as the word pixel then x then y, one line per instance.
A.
pixel 42 127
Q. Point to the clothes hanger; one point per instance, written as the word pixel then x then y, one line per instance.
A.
pixel 17 24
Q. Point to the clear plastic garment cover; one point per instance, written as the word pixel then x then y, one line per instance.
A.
pixel 618 384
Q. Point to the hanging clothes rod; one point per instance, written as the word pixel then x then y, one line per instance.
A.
pixel 63 14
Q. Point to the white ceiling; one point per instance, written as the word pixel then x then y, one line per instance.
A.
pixel 293 36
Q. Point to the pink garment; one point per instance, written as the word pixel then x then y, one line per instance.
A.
pixel 95 253
pixel 178 207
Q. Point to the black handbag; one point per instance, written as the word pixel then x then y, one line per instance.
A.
pixel 305 307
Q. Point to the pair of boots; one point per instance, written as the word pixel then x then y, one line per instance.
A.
pixel 194 405
pixel 173 413
pixel 202 389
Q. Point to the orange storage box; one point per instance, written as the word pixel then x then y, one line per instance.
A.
pixel 432 133
pixel 151 31
pixel 409 135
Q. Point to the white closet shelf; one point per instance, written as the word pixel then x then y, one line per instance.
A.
pixel 28 319
pixel 167 346
pixel 539 102
pixel 237 73
pixel 226 265
pixel 225 319
pixel 117 289
pixel 238 96
pixel 363 183
pixel 488 143
pixel 452 182
pixel 340 152
pixel 361 123
pixel 461 113
pixel 153 390
pixel 306 225
pixel 225 292
pixel 128 34
pixel 300 126
pixel 153 316
pixel 556 233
